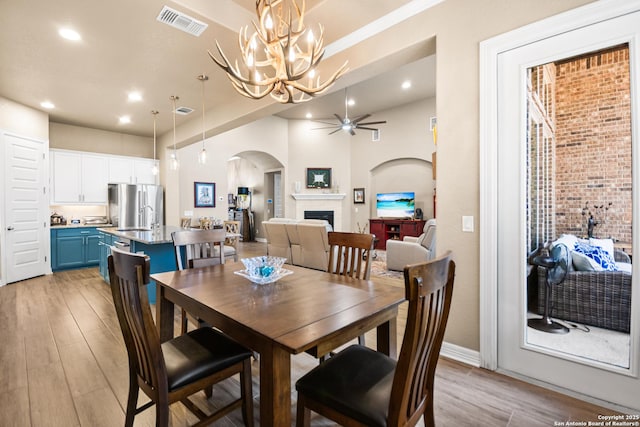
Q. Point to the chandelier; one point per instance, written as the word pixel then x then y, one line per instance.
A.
pixel 280 57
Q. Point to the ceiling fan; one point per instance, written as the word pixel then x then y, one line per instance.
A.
pixel 348 124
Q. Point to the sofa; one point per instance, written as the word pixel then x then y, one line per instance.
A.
pixel 589 295
pixel 411 250
pixel 303 242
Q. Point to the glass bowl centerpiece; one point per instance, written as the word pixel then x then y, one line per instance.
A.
pixel 263 269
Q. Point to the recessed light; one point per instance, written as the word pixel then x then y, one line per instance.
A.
pixel 406 84
pixel 309 115
pixel 135 96
pixel 124 120
pixel 47 104
pixel 69 34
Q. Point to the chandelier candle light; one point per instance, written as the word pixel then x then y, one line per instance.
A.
pixel 202 156
pixel 280 57
pixel 174 156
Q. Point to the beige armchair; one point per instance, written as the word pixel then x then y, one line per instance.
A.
pixel 412 250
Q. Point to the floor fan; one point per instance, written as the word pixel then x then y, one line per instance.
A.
pixel 556 267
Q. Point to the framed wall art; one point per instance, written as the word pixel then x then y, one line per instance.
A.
pixel 318 177
pixel 358 195
pixel 204 194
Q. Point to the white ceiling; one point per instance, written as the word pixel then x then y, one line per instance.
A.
pixel 125 48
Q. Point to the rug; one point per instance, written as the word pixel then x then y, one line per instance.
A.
pixel 379 266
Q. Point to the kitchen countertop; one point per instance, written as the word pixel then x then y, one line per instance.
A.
pixel 156 237
pixel 57 226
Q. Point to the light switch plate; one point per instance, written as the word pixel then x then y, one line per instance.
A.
pixel 467 224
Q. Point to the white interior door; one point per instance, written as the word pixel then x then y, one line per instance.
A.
pixel 515 354
pixel 25 218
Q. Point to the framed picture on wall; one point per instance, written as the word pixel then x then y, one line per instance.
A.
pixel 204 194
pixel 318 177
pixel 358 195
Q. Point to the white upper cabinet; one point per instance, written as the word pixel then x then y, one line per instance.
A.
pixel 143 171
pixel 78 178
pixel 131 170
pixel 81 178
pixel 120 170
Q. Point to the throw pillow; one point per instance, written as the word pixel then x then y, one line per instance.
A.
pixel 569 240
pixel 581 262
pixel 606 244
pixel 601 259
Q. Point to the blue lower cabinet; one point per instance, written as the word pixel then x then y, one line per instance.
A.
pixel 163 259
pixel 104 242
pixel 74 248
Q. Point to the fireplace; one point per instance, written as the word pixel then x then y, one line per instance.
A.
pixel 328 215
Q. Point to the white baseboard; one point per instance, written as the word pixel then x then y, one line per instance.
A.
pixel 460 354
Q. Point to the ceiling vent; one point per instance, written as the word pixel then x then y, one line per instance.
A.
pixel 184 110
pixel 181 21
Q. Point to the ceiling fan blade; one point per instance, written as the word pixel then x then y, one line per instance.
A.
pixel 360 127
pixel 361 118
pixel 326 127
pixel 352 132
pixel 339 118
pixel 326 123
pixel 374 123
pixel 337 130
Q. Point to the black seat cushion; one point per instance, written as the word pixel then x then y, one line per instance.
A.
pixel 356 382
pixel 199 353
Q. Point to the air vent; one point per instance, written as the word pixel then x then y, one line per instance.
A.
pixel 184 110
pixel 375 135
pixel 181 21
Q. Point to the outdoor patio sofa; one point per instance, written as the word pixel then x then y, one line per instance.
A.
pixel 596 298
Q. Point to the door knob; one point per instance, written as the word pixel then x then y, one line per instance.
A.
pixel 10 228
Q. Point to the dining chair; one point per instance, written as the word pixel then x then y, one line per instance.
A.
pixel 350 255
pixel 194 249
pixel 232 227
pixel 176 369
pixel 360 386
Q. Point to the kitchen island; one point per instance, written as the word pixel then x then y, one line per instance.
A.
pixel 157 243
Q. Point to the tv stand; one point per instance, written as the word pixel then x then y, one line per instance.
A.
pixel 394 229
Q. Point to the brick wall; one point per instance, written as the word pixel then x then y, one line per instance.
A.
pixel 593 144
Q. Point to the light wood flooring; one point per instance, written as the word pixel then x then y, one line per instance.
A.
pixel 63 363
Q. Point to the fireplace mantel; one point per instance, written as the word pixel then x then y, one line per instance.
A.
pixel 318 196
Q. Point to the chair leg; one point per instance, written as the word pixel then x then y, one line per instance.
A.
pixel 184 321
pixel 162 414
pixel 361 340
pixel 303 414
pixel 428 416
pixel 132 401
pixel 246 389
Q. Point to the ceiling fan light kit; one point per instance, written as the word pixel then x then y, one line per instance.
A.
pixel 280 57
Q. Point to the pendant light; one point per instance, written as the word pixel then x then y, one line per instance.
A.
pixel 202 156
pixel 154 168
pixel 174 156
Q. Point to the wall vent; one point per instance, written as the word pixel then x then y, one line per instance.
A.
pixel 181 21
pixel 184 110
pixel 375 135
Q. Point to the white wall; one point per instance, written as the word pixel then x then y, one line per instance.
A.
pixel 266 135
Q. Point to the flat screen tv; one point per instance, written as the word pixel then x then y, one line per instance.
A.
pixel 395 205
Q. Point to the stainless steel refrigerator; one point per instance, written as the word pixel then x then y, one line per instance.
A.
pixel 135 206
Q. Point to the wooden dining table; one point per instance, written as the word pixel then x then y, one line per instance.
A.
pixel 307 311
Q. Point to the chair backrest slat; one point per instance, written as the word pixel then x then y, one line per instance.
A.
pixel 350 254
pixel 129 275
pixel 200 247
pixel 429 288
